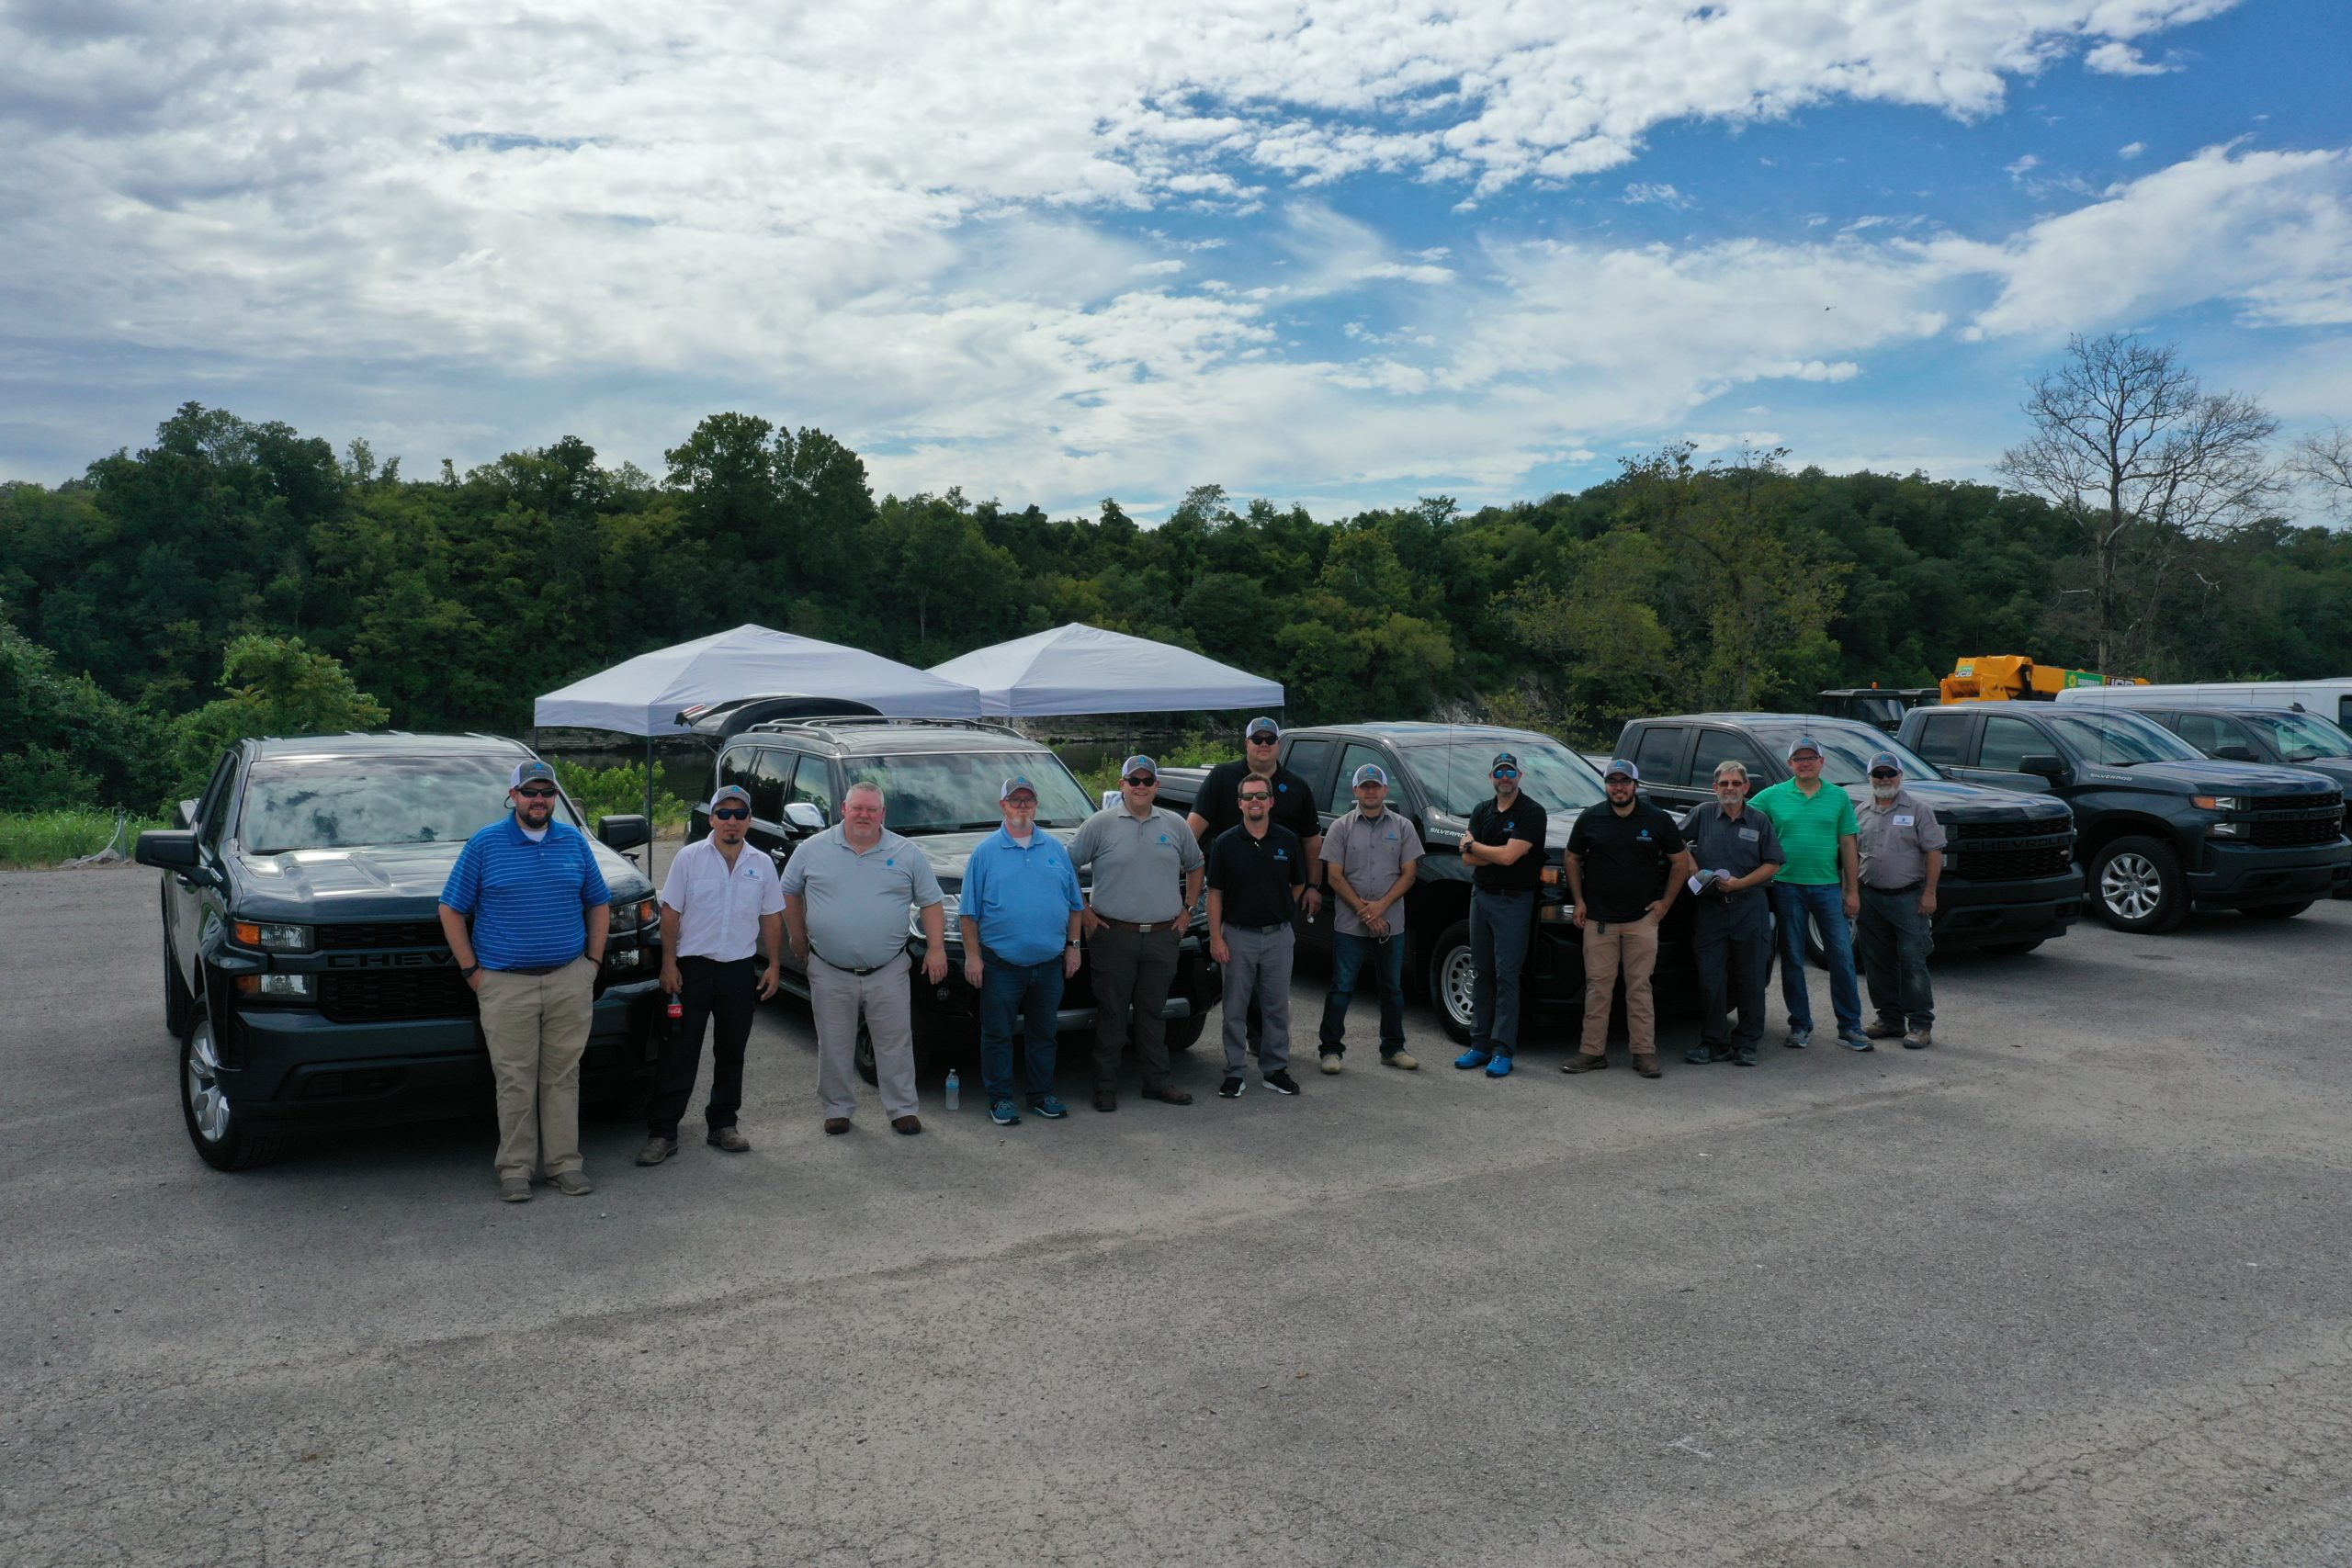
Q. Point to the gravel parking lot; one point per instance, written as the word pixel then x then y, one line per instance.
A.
pixel 2070 1287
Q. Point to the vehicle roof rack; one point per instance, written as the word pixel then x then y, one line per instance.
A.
pixel 879 721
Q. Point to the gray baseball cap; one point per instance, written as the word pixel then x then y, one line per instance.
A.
pixel 1619 765
pixel 530 773
pixel 1886 762
pixel 1261 726
pixel 1804 743
pixel 730 792
pixel 1138 764
pixel 1017 782
pixel 1371 772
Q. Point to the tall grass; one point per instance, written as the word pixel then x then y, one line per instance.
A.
pixel 37 840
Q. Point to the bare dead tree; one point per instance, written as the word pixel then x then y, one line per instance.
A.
pixel 2324 460
pixel 2130 446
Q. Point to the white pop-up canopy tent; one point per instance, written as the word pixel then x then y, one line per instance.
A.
pixel 1079 669
pixel 642 696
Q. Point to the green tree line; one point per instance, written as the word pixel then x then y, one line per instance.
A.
pixel 172 594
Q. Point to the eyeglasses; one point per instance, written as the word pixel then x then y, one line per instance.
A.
pixel 542 793
pixel 1025 802
pixel 1142 781
pixel 1731 783
pixel 731 814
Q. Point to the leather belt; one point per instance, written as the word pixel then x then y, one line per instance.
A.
pixel 1892 892
pixel 1259 930
pixel 1141 927
pixel 845 969
pixel 543 969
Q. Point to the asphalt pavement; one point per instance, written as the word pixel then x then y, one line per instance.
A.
pixel 2070 1287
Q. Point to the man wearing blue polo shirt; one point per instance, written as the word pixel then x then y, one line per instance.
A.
pixel 1020 917
pixel 524 913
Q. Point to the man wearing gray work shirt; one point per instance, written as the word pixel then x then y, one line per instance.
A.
pixel 1903 858
pixel 1147 874
pixel 1738 851
pixel 1373 856
pixel 846 894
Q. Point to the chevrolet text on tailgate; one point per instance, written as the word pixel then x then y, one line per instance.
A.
pixel 305 973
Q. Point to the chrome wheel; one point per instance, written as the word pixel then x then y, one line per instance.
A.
pixel 2130 885
pixel 1454 983
pixel 208 1102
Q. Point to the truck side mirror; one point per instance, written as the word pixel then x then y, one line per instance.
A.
pixel 2235 751
pixel 2043 764
pixel 802 816
pixel 623 833
pixel 167 850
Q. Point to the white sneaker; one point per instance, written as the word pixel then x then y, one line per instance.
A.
pixel 1330 1061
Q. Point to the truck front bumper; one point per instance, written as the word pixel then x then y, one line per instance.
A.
pixel 1973 914
pixel 2238 877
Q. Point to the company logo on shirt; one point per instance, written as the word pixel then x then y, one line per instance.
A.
pixel 1643 836
pixel 1163 838
pixel 1281 855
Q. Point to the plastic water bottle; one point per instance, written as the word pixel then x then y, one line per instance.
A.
pixel 955 1090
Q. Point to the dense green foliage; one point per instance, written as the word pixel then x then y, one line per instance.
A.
pixel 617 792
pixel 453 601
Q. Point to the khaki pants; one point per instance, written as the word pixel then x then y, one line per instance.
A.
pixel 1633 944
pixel 836 996
pixel 537 1029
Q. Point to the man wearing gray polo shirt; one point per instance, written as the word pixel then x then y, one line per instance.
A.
pixel 1147 876
pixel 846 893
pixel 1373 856
pixel 1903 858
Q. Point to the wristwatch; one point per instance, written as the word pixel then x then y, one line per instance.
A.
pixel 469 971
pixel 1071 942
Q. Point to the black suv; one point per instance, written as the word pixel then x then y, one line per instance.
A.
pixel 939 781
pixel 2163 828
pixel 305 974
pixel 2009 881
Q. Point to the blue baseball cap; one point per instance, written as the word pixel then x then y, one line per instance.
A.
pixel 530 773
pixel 730 792
pixel 1016 782
pixel 1804 743
pixel 1261 726
pixel 1619 765
pixel 1139 764
pixel 1371 772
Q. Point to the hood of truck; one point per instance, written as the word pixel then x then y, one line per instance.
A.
pixel 1954 802
pixel 2253 780
pixel 949 854
pixel 378 882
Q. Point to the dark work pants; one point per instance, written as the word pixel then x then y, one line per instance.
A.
pixel 1352 956
pixel 724 995
pixel 1893 940
pixel 1133 971
pixel 1733 944
pixel 1501 925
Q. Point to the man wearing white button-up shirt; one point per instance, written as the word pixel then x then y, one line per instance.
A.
pixel 722 908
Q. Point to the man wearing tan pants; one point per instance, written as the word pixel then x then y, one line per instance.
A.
pixel 1624 866
pixel 526 912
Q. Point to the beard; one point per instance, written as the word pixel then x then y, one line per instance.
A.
pixel 1885 792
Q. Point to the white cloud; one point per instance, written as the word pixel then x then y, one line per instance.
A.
pixel 1645 193
pixel 2117 59
pixel 2130 150
pixel 2022 165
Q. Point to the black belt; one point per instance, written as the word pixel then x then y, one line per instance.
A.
pixel 1260 930
pixel 1894 892
pixel 847 970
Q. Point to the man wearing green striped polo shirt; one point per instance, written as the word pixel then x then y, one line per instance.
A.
pixel 1820 884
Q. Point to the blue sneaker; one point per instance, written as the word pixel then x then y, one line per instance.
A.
pixel 1047 1106
pixel 1499 1067
pixel 1855 1040
pixel 1473 1058
pixel 1002 1112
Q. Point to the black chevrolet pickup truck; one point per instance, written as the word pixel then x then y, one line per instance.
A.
pixel 2009 882
pixel 305 974
pixel 2164 828
pixel 939 781
pixel 1437 773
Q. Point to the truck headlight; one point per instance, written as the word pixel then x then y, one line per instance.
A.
pixel 631 916
pixel 271 938
pixel 282 986
pixel 951 908
pixel 2227 830
pixel 2215 802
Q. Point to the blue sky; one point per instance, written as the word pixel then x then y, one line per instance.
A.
pixel 1341 255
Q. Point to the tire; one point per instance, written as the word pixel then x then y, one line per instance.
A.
pixel 1449 980
pixel 864 1056
pixel 2278 911
pixel 2013 949
pixel 179 1002
pixel 222 1140
pixel 1816 955
pixel 2136 886
pixel 1183 1033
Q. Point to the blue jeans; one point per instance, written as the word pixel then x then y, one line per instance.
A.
pixel 1825 904
pixel 1501 925
pixel 1033 992
pixel 1349 956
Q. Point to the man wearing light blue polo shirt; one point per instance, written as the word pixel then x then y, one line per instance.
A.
pixel 1020 917
pixel 524 913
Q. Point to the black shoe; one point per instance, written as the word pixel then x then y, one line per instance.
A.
pixel 1743 1058
pixel 1699 1056
pixel 1230 1088
pixel 1281 1082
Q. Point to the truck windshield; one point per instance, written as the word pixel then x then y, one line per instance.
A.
pixel 1847 750
pixel 336 803
pixel 2120 740
pixel 2301 737
pixel 941 792
pixel 1456 774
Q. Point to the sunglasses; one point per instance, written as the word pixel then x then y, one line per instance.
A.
pixel 1261 794
pixel 1264 739
pixel 1506 772
pixel 1876 775
pixel 730 814
pixel 542 793
pixel 1142 781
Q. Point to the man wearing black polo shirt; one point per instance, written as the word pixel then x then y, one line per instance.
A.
pixel 1624 866
pixel 1504 849
pixel 1216 812
pixel 1255 873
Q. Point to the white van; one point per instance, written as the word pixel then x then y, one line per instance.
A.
pixel 2329 699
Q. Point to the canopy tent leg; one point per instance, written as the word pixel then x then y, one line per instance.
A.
pixel 649 806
